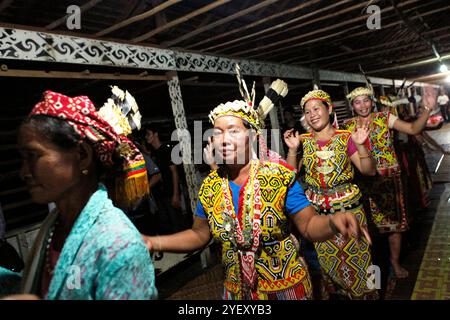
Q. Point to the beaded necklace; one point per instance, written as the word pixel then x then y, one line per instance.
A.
pixel 245 237
pixel 48 262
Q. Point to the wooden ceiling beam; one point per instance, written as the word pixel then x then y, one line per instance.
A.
pixel 386 43
pixel 61 20
pixel 178 21
pixel 432 77
pixel 129 8
pixel 358 59
pixel 318 30
pixel 422 57
pixel 5 4
pixel 209 84
pixel 282 26
pixel 296 60
pixel 220 22
pixel 271 52
pixel 380 52
pixel 254 24
pixel 419 54
pixel 78 75
pixel 138 17
pixel 349 31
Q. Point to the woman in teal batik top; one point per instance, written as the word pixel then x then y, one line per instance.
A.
pixel 86 248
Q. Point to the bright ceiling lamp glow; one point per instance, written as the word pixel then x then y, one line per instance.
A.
pixel 443 68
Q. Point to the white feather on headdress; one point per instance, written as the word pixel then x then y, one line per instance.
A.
pixel 121 111
pixel 278 89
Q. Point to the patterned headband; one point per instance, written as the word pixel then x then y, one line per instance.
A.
pixel 245 109
pixel 360 91
pixel 316 95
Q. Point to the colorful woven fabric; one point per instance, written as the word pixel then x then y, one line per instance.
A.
pixel 247 231
pixel 419 178
pixel 81 114
pixel 300 291
pixel 276 262
pixel 384 191
pixel 329 174
pixel 387 202
pixel 380 142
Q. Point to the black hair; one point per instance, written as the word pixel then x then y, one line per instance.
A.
pixel 151 127
pixel 289 109
pixel 247 125
pixel 61 134
pixel 56 130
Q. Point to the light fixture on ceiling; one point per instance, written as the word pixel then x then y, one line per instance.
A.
pixel 442 67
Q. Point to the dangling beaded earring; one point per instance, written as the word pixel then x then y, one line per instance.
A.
pixel 85 172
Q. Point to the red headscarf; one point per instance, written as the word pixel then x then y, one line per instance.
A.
pixel 81 114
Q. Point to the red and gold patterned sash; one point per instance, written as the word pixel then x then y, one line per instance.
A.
pixel 248 241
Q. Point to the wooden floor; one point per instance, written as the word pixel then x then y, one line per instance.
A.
pixel 425 250
pixel 433 280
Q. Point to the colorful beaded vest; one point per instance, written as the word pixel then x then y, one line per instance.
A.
pixel 380 142
pixel 329 173
pixel 255 236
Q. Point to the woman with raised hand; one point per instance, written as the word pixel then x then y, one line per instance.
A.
pixel 246 205
pixel 385 191
pixel 328 159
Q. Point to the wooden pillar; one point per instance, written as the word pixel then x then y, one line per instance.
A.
pixel 276 137
pixel 179 115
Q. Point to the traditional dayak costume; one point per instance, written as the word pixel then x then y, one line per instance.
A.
pixel 259 255
pixel 385 191
pixel 328 176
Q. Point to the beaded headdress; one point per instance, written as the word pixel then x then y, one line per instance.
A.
pixel 316 95
pixel 245 109
pixel 385 101
pixel 237 108
pixel 121 112
pixel 360 91
pixel 320 95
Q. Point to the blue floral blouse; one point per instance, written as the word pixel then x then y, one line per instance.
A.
pixel 103 258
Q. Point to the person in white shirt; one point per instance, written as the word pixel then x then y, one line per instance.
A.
pixel 443 104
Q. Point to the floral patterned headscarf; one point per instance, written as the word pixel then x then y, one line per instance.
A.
pixel 112 149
